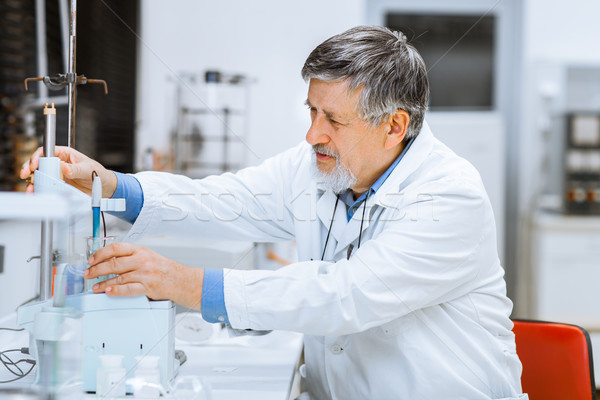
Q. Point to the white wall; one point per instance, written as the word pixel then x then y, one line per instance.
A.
pixel 267 40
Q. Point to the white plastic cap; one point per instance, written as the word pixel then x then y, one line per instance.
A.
pixel 111 360
pixel 147 362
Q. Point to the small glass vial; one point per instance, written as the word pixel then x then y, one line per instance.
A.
pixel 110 378
pixel 93 245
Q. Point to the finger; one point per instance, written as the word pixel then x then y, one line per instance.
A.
pixel 120 249
pixel 129 289
pixel 35 158
pixel 29 188
pixel 67 154
pixel 111 266
pixel 25 171
pixel 76 171
pixel 115 265
pixel 32 164
pixel 123 279
pixel 73 166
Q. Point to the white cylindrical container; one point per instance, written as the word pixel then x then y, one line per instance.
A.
pixel 147 378
pixel 111 376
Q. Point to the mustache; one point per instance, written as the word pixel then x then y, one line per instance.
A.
pixel 321 148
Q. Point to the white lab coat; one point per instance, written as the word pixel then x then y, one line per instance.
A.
pixel 419 311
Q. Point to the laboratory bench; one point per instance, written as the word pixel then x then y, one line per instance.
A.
pixel 236 366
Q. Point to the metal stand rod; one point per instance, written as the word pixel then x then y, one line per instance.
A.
pixel 63 12
pixel 72 88
pixel 42 56
pixel 46 261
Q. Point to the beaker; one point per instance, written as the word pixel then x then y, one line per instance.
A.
pixel 93 245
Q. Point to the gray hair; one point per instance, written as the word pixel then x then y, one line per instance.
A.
pixel 390 72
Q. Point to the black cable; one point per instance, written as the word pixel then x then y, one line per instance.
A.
pixel 28 361
pixel 12 329
pixel 10 363
pixel 23 350
pixel 104 225
pixel 362 219
pixel 24 375
pixel 330 225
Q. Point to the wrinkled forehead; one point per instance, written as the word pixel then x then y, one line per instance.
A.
pixel 333 95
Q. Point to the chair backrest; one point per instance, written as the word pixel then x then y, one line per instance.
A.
pixel 557 360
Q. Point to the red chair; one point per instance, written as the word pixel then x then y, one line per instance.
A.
pixel 557 360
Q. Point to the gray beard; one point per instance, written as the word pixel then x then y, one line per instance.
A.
pixel 338 179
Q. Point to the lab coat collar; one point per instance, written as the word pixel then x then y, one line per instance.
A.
pixel 352 228
pixel 345 232
pixel 325 207
pixel 412 160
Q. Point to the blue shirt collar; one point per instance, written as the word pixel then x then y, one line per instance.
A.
pixel 347 196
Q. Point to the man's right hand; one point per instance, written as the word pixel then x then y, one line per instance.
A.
pixel 77 170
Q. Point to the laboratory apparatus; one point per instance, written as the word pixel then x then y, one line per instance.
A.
pixel 127 326
pixel 577 117
pixel 582 163
pixel 55 330
pixel 67 315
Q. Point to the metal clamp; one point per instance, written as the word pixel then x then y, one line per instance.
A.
pixel 60 81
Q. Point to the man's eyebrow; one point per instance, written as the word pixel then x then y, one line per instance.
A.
pixel 328 114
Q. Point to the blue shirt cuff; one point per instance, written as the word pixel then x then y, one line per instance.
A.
pixel 213 297
pixel 128 188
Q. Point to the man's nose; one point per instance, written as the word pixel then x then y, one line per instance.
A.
pixel 317 134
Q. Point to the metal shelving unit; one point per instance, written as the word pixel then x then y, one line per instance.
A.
pixel 211 128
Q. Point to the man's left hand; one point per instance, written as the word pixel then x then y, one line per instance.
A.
pixel 140 271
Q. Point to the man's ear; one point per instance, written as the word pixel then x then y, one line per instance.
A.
pixel 398 126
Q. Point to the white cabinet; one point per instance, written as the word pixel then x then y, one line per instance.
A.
pixel 565 273
pixel 566 269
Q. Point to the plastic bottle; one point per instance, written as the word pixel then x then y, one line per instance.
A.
pixel 110 378
pixel 147 378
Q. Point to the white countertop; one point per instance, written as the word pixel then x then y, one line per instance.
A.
pixel 248 367
pixel 252 367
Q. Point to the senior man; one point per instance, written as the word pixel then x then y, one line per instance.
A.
pixel 399 290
